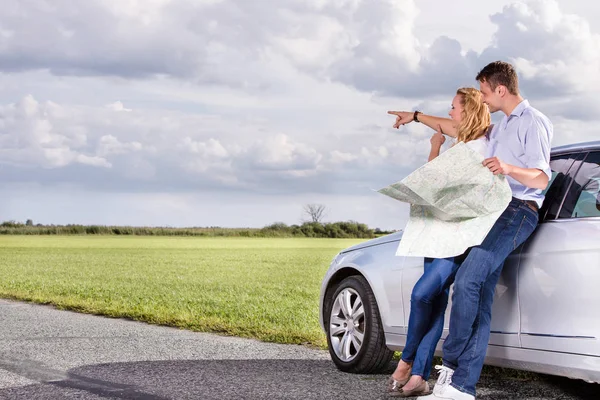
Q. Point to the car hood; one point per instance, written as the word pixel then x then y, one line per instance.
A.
pixel 394 237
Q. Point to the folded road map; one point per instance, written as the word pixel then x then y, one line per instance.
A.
pixel 454 202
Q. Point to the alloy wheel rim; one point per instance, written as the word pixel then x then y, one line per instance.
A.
pixel 347 324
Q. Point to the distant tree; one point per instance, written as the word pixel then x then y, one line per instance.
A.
pixel 29 222
pixel 280 226
pixel 315 212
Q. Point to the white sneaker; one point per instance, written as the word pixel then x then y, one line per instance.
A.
pixel 444 379
pixel 451 393
pixel 429 397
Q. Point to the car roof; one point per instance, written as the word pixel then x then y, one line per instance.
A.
pixel 594 145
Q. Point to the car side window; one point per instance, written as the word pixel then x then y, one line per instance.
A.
pixel 583 196
pixel 563 169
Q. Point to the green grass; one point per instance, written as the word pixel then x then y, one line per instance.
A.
pixel 261 288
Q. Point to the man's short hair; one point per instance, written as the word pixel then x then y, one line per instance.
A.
pixel 500 73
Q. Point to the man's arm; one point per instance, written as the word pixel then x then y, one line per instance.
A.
pixel 530 177
pixel 536 148
pixel 447 125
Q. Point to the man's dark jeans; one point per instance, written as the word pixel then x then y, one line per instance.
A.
pixel 474 286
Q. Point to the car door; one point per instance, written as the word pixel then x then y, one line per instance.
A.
pixel 399 283
pixel 559 270
pixel 505 319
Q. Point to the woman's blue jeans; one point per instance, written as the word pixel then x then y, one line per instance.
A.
pixel 428 304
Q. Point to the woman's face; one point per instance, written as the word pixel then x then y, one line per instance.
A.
pixel 456 109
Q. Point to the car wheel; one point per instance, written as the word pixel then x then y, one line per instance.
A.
pixel 354 332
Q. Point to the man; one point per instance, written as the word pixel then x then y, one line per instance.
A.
pixel 518 148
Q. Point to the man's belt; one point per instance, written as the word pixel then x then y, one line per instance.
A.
pixel 529 203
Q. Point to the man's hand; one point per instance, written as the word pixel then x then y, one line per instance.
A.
pixel 496 165
pixel 402 117
pixel 531 177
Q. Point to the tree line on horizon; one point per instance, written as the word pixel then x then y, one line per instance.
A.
pixel 308 229
pixel 313 227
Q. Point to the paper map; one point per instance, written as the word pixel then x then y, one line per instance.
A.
pixel 454 202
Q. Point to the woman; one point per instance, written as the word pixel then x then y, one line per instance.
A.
pixel 470 120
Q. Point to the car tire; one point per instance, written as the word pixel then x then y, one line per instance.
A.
pixel 355 336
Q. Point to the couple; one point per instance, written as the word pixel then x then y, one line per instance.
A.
pixel 518 148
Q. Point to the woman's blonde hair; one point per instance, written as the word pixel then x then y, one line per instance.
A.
pixel 475 115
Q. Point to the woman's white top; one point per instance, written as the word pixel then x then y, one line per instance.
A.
pixel 479 145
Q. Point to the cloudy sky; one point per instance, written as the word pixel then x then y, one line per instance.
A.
pixel 237 113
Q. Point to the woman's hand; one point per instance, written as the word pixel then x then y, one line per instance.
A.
pixel 402 117
pixel 446 125
pixel 438 139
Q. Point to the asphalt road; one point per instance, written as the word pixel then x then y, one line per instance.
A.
pixel 50 354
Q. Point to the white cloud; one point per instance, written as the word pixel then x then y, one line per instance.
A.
pixel 34 135
pixel 256 46
pixel 280 153
pixel 338 157
pixel 108 144
pixel 94 161
pixel 236 43
pixel 118 106
pixel 211 148
pixel 556 53
pixel 281 100
pixel 144 150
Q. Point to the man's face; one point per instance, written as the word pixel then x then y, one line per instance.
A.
pixel 490 97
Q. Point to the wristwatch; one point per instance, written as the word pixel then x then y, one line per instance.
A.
pixel 415 116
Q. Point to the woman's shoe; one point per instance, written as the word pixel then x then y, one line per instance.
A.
pixel 394 385
pixel 420 390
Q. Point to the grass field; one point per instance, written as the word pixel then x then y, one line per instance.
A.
pixel 262 288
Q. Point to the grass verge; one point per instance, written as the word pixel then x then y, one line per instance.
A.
pixel 266 289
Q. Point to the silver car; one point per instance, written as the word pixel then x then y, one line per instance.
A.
pixel 546 312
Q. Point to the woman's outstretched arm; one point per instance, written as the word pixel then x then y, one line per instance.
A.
pixel 447 125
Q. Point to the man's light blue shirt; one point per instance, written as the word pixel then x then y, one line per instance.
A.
pixel 523 139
